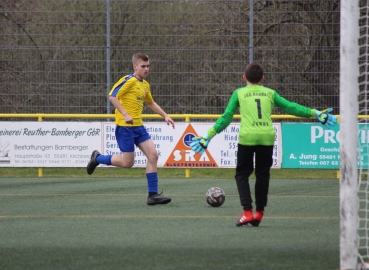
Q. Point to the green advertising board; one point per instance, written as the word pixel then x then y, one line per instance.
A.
pixel 311 145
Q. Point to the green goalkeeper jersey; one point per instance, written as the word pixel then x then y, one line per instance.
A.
pixel 256 103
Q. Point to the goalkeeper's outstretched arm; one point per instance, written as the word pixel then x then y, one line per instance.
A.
pixel 200 143
pixel 325 117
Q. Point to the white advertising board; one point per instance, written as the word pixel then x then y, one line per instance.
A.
pixel 173 145
pixel 48 144
pixel 70 144
pixel 223 147
pixel 163 136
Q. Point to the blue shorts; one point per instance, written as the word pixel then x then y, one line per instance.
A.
pixel 128 137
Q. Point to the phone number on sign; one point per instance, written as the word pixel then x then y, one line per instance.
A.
pixel 328 162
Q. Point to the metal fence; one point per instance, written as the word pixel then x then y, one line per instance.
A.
pixel 64 56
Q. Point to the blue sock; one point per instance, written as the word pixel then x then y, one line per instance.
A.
pixel 152 182
pixel 104 159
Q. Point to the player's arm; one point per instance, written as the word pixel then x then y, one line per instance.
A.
pixel 157 109
pixel 292 108
pixel 296 109
pixel 119 88
pixel 199 144
pixel 127 118
pixel 226 118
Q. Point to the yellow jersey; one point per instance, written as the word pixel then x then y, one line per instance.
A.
pixel 131 93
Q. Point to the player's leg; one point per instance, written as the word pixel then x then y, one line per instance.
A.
pixel 244 168
pixel 263 162
pixel 125 137
pixel 127 160
pixel 147 146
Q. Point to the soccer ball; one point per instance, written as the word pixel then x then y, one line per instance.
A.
pixel 215 197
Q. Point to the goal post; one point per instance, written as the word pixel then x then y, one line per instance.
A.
pixel 349 106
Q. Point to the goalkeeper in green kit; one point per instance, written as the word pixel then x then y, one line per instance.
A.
pixel 256 137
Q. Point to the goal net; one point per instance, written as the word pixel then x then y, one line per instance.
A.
pixel 363 144
pixel 354 134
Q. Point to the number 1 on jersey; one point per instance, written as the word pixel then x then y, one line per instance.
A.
pixel 257 100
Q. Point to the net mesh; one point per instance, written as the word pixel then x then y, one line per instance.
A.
pixel 363 138
pixel 54 52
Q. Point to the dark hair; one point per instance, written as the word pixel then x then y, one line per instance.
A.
pixel 254 72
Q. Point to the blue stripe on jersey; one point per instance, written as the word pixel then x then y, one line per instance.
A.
pixel 119 86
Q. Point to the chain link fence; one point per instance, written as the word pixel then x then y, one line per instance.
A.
pixel 64 56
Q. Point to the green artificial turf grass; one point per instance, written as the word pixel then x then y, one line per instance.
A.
pixel 104 223
pixel 219 173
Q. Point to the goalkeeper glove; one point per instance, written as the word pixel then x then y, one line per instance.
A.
pixel 200 144
pixel 324 117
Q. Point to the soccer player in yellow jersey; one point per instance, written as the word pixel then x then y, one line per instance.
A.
pixel 128 96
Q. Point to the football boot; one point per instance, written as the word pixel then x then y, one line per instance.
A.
pixel 246 217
